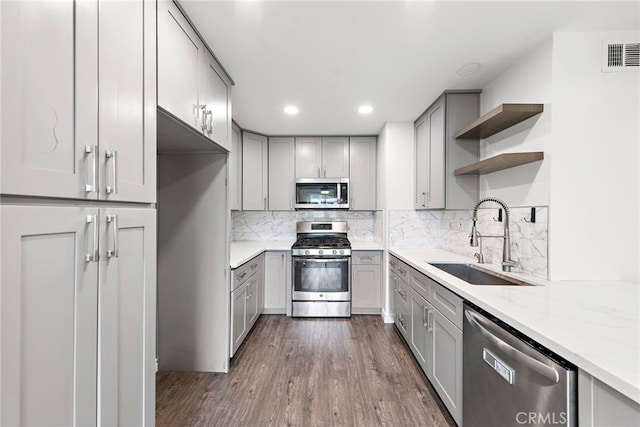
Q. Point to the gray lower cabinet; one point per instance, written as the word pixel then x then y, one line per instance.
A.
pixel 78 315
pixel 601 406
pixel 434 337
pixel 366 282
pixel 277 281
pixel 247 299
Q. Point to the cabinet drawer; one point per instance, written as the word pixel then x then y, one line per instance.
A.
pixel 400 268
pixel 365 257
pixel 420 283
pixel 448 303
pixel 243 273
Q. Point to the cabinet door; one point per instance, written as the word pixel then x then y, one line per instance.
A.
pixel 308 157
pixel 429 135
pixel 253 300
pixel 365 287
pixel 180 53
pixel 362 173
pixel 127 87
pixel 235 170
pixel 335 157
pixel 420 129
pixel 436 135
pixel 277 280
pixel 421 341
pixel 49 98
pixel 127 291
pixel 238 317
pixel 446 364
pixel 49 306
pixel 216 98
pixel 281 174
pixel 254 172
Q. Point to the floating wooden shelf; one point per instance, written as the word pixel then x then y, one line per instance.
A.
pixel 498 119
pixel 500 162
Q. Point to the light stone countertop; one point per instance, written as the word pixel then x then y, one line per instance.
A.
pixel 593 324
pixel 242 252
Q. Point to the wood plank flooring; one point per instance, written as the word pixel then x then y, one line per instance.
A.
pixel 307 372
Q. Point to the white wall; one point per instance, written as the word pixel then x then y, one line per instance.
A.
pixel 527 81
pixel 398 161
pixel 594 212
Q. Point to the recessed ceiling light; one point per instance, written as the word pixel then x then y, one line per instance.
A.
pixel 469 69
pixel 365 109
pixel 291 109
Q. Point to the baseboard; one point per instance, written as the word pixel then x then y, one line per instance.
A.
pixel 274 311
pixel 388 317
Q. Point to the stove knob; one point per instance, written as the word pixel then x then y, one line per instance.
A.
pixel 335 252
pixel 341 252
pixel 306 252
pixel 320 252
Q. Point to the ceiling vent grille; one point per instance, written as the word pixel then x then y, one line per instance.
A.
pixel 621 57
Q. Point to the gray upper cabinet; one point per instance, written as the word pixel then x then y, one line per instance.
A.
pixel 281 174
pixel 192 86
pixel 127 100
pixel 71 58
pixel 362 173
pixel 254 172
pixel 235 169
pixel 438 153
pixel 326 157
pixel 216 102
pixel 308 157
pixel 180 54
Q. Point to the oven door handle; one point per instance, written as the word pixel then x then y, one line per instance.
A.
pixel 323 260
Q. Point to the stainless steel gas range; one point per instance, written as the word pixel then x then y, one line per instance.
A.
pixel 321 270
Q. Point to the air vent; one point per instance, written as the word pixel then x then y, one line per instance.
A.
pixel 621 57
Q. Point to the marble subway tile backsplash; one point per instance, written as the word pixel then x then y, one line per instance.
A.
pixel 450 230
pixel 281 225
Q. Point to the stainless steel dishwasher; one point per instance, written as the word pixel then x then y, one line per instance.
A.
pixel 510 380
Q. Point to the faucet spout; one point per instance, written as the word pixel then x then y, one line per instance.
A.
pixel 507 262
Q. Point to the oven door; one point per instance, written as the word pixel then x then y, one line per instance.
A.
pixel 321 279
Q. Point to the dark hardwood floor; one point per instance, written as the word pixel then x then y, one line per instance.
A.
pixel 307 372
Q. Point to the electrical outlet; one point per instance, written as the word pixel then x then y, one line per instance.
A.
pixel 458 224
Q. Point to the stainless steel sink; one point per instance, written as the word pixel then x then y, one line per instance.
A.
pixel 476 276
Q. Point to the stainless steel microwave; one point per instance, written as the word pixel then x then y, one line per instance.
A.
pixel 322 193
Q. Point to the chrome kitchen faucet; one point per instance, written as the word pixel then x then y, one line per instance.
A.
pixel 507 262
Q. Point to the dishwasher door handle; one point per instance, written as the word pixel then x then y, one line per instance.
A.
pixel 535 365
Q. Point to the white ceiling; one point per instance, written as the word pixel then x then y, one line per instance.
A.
pixel 329 57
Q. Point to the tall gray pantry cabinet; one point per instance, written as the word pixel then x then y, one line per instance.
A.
pixel 78 224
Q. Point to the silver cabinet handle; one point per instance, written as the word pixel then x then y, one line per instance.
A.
pixel 92 256
pixel 113 220
pixel 325 171
pixel 403 272
pixel 352 205
pixel 91 150
pixel 113 154
pixel 290 204
pixel 429 321
pixel 242 276
pixel 265 203
pixel 319 174
pixel 203 108
pixel 210 128
pixel 392 264
pixel 254 266
pixel 424 316
pixel 424 200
